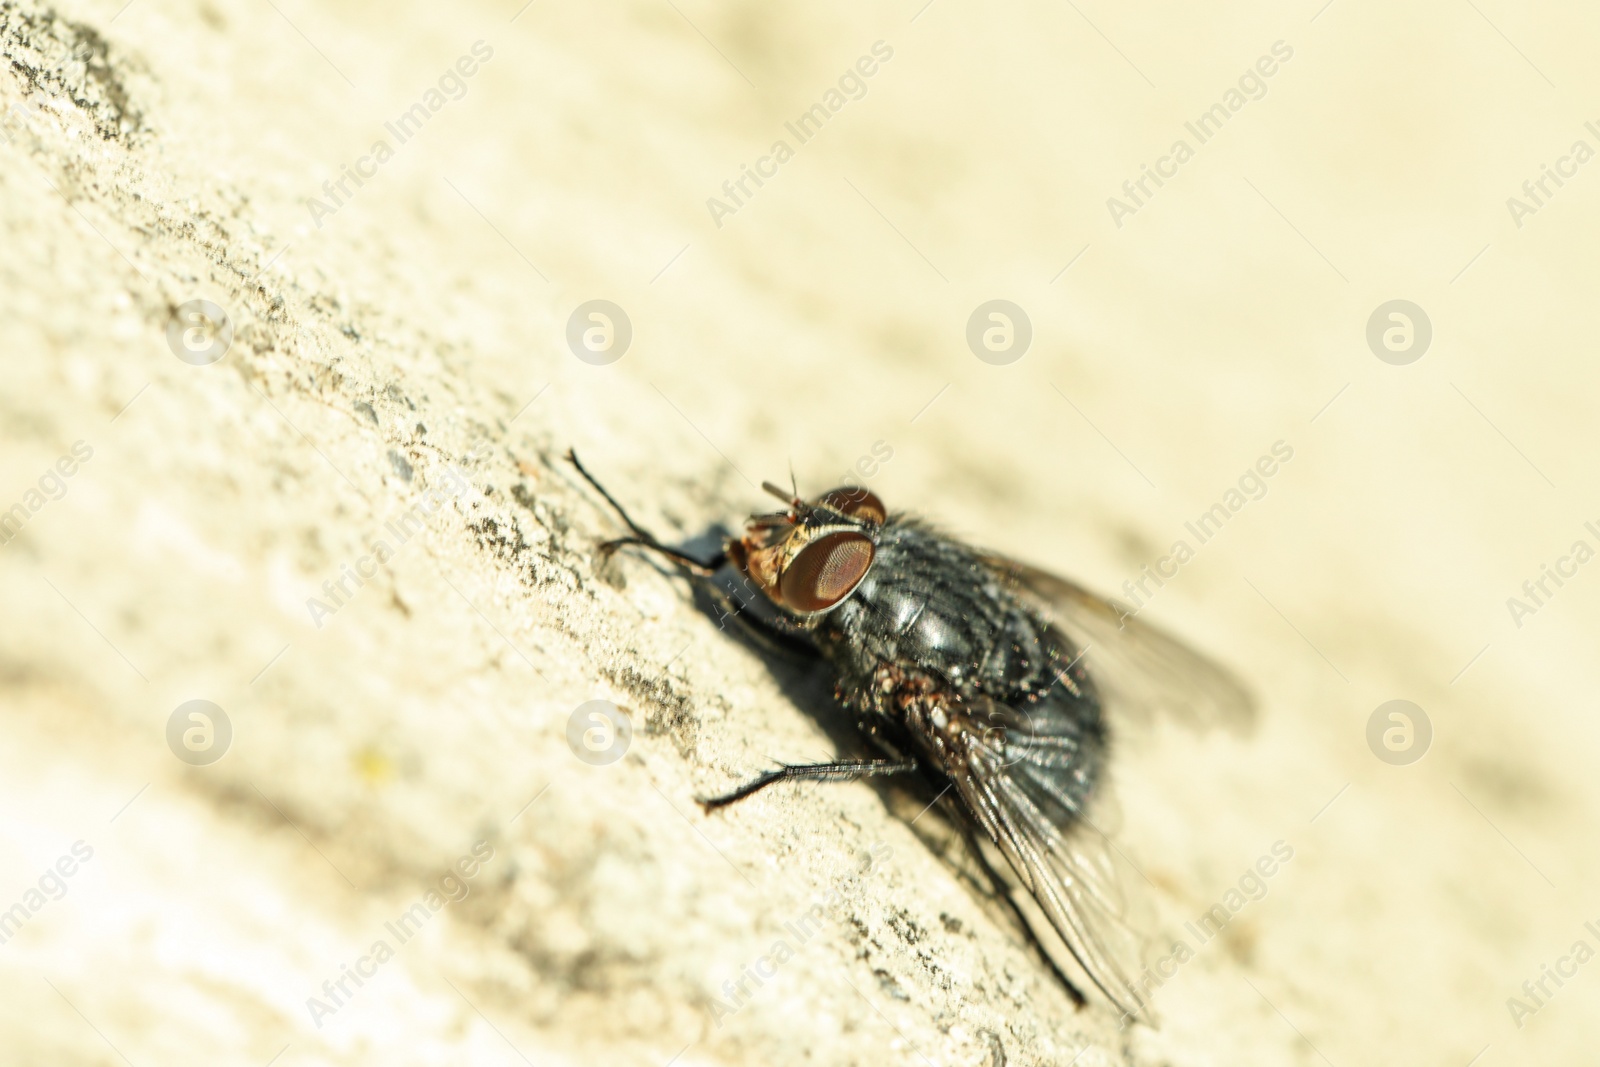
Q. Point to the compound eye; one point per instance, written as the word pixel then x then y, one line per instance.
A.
pixel 855 502
pixel 826 571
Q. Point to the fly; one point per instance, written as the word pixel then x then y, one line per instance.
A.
pixel 999 682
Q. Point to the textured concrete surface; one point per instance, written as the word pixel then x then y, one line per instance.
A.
pixel 398 771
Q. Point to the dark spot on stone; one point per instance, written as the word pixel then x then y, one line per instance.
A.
pixel 365 408
pixel 401 465
pixel 901 922
pixel 997 1051
pixel 891 985
pixel 59 57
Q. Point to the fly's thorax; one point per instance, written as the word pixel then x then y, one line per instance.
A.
pixel 931 604
pixel 923 604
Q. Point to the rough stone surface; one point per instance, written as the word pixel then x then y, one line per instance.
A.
pixel 167 152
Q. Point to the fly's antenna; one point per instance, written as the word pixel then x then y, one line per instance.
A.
pixel 799 506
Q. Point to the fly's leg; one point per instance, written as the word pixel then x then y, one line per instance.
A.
pixel 773 635
pixel 701 568
pixel 643 537
pixel 1007 891
pixel 846 770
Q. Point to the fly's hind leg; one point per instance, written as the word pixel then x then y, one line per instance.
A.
pixel 1007 891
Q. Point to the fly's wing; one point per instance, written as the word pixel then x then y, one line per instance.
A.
pixel 1140 669
pixel 1030 777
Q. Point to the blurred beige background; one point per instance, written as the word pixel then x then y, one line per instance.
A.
pixel 161 152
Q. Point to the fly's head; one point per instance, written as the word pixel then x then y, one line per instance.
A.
pixel 810 557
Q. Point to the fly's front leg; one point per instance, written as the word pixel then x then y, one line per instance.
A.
pixel 641 536
pixel 699 568
pixel 845 770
